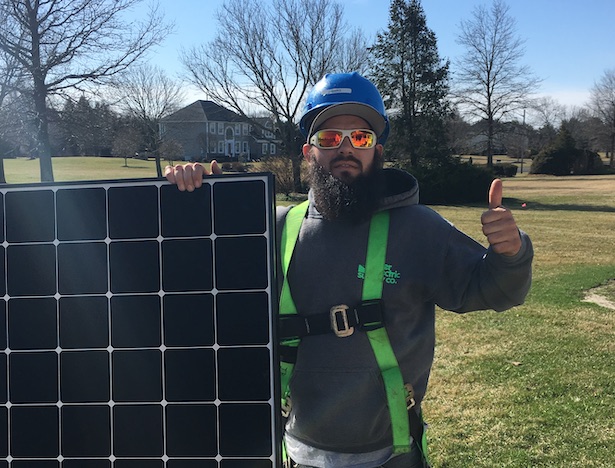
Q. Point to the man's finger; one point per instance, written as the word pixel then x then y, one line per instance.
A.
pixel 495 194
pixel 215 169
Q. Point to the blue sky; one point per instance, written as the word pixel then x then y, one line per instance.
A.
pixel 569 43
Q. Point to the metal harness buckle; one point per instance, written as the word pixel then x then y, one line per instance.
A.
pixel 409 396
pixel 342 311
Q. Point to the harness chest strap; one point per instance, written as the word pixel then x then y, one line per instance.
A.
pixel 396 392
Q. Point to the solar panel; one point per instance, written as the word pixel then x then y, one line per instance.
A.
pixel 138 325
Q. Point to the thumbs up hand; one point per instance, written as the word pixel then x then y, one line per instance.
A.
pixel 499 225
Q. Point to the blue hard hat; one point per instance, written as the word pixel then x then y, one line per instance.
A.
pixel 344 94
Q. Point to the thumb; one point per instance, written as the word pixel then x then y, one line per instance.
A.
pixel 495 194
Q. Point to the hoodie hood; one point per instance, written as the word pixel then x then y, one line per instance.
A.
pixel 402 189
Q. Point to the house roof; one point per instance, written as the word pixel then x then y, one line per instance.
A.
pixel 204 111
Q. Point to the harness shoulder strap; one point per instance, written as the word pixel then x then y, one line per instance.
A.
pixel 379 338
pixel 290 234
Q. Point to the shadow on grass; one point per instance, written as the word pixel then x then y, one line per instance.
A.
pixel 516 204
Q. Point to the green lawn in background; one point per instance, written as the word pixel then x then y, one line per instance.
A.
pixel 530 387
pixel 534 386
pixel 24 170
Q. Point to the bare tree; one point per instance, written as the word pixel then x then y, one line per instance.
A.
pixel 602 103
pixel 64 44
pixel 490 81
pixel 269 59
pixel 9 77
pixel 126 142
pixel 147 94
pixel 548 112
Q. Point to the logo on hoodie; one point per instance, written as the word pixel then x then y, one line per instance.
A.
pixel 390 276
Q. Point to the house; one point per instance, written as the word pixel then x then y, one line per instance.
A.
pixel 207 131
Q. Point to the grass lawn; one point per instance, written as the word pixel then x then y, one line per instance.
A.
pixel 534 386
pixel 23 170
pixel 531 387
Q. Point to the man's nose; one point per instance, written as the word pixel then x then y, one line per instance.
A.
pixel 346 145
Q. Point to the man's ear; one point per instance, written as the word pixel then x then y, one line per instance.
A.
pixel 307 152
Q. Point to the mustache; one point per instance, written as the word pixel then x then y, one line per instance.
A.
pixel 342 158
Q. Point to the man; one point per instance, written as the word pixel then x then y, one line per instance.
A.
pixel 343 402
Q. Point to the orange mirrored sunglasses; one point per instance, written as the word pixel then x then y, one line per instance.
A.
pixel 332 138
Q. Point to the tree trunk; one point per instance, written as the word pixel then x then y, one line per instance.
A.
pixel 490 142
pixel 40 101
pixel 293 144
pixel 158 165
pixel 42 134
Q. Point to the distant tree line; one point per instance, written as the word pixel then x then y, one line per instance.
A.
pixel 95 95
pixel 83 127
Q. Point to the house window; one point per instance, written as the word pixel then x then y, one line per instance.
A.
pixel 237 147
pixel 272 148
pixel 265 147
pixel 237 129
pixel 221 147
pixel 245 147
pixel 212 127
pixel 221 130
pixel 245 128
pixel 212 146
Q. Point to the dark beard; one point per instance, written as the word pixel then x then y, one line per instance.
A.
pixel 355 201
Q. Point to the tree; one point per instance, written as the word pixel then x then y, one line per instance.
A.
pixel 9 77
pixel 64 44
pixel 269 59
pixel 490 80
pixel 414 83
pixel 86 128
pixel 171 150
pixel 126 141
pixel 557 159
pixel 147 94
pixel 587 130
pixel 548 112
pixel 563 157
pixel 602 102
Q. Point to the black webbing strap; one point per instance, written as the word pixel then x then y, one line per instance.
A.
pixel 366 316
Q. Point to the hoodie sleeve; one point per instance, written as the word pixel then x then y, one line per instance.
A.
pixel 475 278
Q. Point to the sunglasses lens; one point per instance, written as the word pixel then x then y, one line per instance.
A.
pixel 329 138
pixel 362 139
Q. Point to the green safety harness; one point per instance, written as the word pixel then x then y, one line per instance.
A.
pixel 342 320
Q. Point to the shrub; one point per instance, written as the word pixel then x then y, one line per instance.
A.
pixel 282 169
pixel 451 182
pixel 588 163
pixel 233 167
pixel 504 170
pixel 564 158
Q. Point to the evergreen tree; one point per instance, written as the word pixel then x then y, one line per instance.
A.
pixel 564 158
pixel 413 80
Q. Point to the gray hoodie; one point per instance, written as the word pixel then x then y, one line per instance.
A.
pixel 338 397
